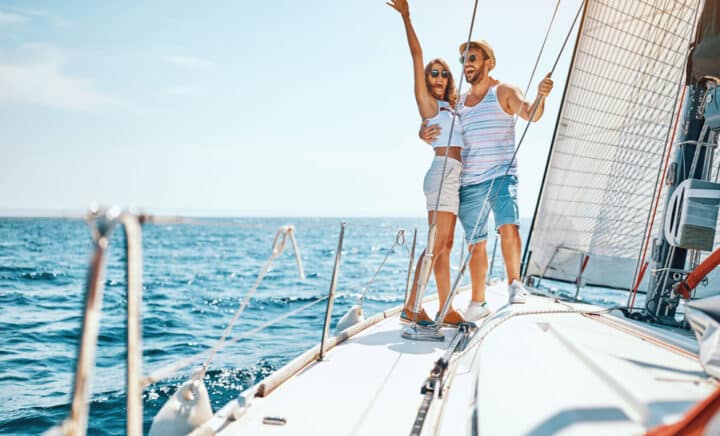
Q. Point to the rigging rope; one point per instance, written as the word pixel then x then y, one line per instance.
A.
pixel 535 107
pixel 532 75
pixel 427 259
pixel 552 70
pixel 542 49
pixel 426 265
pixel 488 202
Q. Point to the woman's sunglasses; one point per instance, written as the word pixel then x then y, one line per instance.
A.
pixel 471 58
pixel 443 73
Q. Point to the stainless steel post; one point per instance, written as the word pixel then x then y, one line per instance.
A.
pixel 133 240
pixel 410 268
pixel 331 296
pixel 88 341
pixel 579 279
pixel 101 227
pixel 102 223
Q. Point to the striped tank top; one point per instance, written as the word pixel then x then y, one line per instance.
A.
pixel 489 136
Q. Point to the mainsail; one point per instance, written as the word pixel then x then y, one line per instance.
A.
pixel 611 139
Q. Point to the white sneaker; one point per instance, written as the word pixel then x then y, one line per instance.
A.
pixel 518 293
pixel 476 311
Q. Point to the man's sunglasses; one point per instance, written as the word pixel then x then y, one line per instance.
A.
pixel 471 58
pixel 443 73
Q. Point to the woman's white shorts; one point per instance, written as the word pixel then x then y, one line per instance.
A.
pixel 450 195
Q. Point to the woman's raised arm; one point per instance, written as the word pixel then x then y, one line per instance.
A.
pixel 426 103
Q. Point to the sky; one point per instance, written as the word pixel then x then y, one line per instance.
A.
pixel 228 108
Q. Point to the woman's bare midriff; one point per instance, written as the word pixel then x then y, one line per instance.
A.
pixel 455 152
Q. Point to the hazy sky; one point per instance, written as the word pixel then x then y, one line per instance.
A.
pixel 284 108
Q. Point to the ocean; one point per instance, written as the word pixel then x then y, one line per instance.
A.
pixel 195 276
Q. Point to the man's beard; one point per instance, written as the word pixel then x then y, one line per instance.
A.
pixel 477 76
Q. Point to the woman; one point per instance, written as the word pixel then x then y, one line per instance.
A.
pixel 436 98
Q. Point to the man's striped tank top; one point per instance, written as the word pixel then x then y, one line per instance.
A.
pixel 489 136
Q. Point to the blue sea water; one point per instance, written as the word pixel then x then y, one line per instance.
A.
pixel 195 276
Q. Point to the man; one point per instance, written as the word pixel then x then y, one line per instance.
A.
pixel 487 114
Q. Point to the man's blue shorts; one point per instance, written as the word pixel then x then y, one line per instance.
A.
pixel 502 201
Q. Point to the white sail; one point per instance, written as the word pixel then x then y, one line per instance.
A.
pixel 610 140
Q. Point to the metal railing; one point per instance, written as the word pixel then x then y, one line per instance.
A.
pixel 331 293
pixel 102 223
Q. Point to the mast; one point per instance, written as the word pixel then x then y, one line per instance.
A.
pixel 690 161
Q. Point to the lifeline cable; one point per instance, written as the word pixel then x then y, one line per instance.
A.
pixel 167 371
pixel 399 242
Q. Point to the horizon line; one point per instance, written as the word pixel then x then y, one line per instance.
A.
pixel 207 214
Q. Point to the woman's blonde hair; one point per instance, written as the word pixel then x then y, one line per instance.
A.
pixel 450 94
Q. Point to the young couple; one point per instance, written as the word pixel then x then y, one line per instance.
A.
pixel 480 158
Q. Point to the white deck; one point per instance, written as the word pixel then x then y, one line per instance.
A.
pixel 369 384
pixel 535 374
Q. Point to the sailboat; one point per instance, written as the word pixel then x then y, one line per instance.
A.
pixel 617 209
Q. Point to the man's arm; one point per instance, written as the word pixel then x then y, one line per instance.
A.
pixel 515 102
